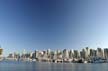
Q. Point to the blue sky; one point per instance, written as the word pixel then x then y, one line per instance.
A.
pixel 54 24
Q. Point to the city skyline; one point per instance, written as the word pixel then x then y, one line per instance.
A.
pixel 86 55
pixel 57 24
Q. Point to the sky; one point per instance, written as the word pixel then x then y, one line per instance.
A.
pixel 53 24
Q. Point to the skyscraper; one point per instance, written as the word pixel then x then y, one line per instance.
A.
pixel 106 53
pixel 65 54
pixel 71 53
pixel 100 53
pixel 87 52
pixel 76 54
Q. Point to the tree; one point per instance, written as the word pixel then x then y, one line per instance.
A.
pixel 1 50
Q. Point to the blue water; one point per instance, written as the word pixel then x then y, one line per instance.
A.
pixel 40 66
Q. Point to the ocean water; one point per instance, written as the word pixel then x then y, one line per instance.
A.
pixel 42 66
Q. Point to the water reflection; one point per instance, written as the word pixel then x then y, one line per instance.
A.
pixel 40 66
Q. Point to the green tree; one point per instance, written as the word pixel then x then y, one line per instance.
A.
pixel 1 50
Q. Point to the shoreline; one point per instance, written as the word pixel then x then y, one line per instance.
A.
pixel 54 62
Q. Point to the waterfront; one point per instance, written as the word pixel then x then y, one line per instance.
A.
pixel 86 55
pixel 44 66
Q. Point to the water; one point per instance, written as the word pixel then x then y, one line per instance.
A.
pixel 40 66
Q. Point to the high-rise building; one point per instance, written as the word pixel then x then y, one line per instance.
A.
pixel 76 54
pixel 65 54
pixel 100 53
pixel 71 54
pixel 106 53
pixel 55 55
pixel 52 54
pixel 49 53
pixel 93 53
pixel 59 54
pixel 87 53
pixel 83 53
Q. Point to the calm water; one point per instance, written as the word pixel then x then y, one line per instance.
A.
pixel 39 66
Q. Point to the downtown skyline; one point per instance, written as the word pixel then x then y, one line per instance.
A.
pixel 41 25
pixel 86 55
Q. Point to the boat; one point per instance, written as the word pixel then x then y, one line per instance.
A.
pixel 99 61
pixel 85 61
